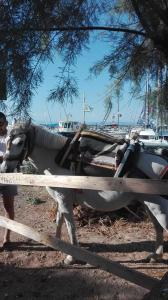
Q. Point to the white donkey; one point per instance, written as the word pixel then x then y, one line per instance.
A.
pixel 41 148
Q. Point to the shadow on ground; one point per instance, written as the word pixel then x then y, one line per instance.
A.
pixel 140 246
pixel 61 284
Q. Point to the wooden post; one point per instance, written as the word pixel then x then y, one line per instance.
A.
pixel 81 254
pixel 159 291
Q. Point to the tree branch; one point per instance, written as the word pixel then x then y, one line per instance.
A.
pixel 72 28
pixel 142 20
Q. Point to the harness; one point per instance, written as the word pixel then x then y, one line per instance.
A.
pixel 27 149
pixel 93 150
pixel 62 152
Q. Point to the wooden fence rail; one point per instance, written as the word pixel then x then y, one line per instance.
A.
pixel 81 254
pixel 134 185
pixel 148 186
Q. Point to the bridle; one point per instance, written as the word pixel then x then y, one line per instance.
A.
pixel 27 149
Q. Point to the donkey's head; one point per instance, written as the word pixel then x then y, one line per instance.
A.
pixel 17 146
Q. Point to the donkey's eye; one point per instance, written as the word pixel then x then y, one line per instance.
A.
pixel 20 143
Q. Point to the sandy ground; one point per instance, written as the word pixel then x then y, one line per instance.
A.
pixel 32 271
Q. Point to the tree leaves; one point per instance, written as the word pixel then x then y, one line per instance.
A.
pixel 32 32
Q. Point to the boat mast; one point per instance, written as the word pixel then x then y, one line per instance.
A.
pixel 84 106
pixel 118 113
pixel 49 115
pixel 158 99
pixel 147 102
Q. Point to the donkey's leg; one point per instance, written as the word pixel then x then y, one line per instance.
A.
pixel 158 207
pixel 9 212
pixel 64 199
pixel 59 222
pixel 69 220
pixel 71 228
pixel 158 253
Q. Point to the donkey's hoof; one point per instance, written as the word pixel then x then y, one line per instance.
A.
pixel 69 260
pixel 154 258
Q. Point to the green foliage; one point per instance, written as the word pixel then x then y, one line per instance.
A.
pixel 28 38
pixel 32 32
pixel 35 201
pixel 108 106
pixel 65 90
pixel 28 168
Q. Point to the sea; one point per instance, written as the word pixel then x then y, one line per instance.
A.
pixel 94 124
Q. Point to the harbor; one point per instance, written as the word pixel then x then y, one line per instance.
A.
pixel 150 129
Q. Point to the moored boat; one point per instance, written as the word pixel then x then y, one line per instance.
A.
pixel 68 128
pixel 148 137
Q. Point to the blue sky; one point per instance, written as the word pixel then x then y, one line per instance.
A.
pixel 93 88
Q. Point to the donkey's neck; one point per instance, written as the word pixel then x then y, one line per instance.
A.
pixel 49 140
pixel 46 147
pixel 44 159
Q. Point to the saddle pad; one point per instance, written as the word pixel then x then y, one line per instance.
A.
pixel 99 160
pixel 99 165
pixel 96 142
pixel 101 136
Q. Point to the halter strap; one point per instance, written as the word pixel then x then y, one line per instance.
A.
pixel 30 138
pixel 28 146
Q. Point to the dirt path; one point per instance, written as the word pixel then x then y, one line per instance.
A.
pixel 32 271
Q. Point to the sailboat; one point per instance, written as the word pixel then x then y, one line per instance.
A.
pixel 113 127
pixel 145 131
pixel 69 127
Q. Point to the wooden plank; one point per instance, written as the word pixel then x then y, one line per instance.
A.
pixel 159 291
pixel 75 139
pixel 98 164
pixel 134 185
pixel 81 254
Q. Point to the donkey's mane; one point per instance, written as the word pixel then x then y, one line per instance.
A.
pixel 42 137
pixel 48 139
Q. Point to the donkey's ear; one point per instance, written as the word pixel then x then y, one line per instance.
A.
pixel 28 123
pixel 14 121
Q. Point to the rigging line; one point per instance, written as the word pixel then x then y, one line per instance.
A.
pixel 97 101
pixel 110 91
pixel 129 100
pixel 49 114
pixel 65 112
pixel 108 111
pixel 101 97
pixel 111 88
